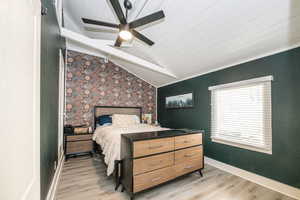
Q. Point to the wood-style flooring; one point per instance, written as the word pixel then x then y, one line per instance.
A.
pixel 84 178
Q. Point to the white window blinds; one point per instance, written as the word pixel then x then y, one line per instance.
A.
pixel 241 114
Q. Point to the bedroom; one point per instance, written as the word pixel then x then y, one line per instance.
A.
pixel 140 99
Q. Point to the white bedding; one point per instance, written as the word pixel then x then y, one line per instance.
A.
pixel 109 138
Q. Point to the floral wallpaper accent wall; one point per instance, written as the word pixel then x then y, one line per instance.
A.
pixel 91 81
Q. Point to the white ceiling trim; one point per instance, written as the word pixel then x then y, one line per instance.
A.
pixel 75 46
pixel 234 64
pixel 112 43
pixel 71 45
pixel 102 46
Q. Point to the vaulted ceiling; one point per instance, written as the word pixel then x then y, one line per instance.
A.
pixel 196 37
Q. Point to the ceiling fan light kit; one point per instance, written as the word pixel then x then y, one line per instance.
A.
pixel 126 30
pixel 125 33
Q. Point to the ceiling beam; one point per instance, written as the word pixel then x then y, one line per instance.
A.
pixel 102 45
pixel 112 43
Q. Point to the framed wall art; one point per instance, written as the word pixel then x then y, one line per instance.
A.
pixel 180 101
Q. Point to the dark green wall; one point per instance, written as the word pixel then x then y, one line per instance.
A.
pixel 284 164
pixel 50 45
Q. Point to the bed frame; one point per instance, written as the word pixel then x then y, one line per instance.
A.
pixel 109 110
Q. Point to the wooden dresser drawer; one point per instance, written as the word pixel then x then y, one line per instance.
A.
pixel 79 146
pixel 187 167
pixel 188 140
pixel 189 154
pixel 151 163
pixel 148 147
pixel 150 179
pixel 79 137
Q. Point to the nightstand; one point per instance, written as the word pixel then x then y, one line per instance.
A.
pixel 78 144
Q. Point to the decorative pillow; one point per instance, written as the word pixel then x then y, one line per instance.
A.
pixel 107 124
pixel 137 119
pixel 104 119
pixel 124 120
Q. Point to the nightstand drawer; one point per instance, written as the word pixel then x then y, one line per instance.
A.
pixel 148 147
pixel 79 146
pixel 189 154
pixel 151 163
pixel 79 137
pixel 188 140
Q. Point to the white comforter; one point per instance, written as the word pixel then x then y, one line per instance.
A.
pixel 109 138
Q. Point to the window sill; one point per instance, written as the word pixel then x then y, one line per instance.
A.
pixel 242 146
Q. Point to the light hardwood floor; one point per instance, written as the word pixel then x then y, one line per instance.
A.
pixel 84 178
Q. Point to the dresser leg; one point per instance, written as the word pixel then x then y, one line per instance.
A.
pixel 200 172
pixel 123 188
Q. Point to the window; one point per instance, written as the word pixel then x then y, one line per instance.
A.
pixel 241 114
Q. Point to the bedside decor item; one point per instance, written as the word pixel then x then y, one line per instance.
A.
pixel 180 101
pixel 147 118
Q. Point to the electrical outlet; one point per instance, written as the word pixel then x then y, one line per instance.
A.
pixel 55 165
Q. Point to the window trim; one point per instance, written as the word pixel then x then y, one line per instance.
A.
pixel 237 84
pixel 241 83
pixel 242 146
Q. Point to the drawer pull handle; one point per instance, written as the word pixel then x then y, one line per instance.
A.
pixel 189 155
pixel 156 179
pixel 188 167
pixel 186 141
pixel 155 147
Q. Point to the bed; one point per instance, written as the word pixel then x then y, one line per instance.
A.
pixel 107 138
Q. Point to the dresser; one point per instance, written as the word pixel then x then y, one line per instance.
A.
pixel 78 144
pixel 152 158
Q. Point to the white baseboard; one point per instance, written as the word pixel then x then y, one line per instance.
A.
pixel 266 182
pixel 54 183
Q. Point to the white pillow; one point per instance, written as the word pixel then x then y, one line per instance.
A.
pixel 125 120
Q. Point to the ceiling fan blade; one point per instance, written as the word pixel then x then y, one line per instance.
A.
pixel 117 8
pixel 95 22
pixel 142 37
pixel 147 19
pixel 118 42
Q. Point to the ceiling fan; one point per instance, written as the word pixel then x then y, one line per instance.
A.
pixel 127 30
